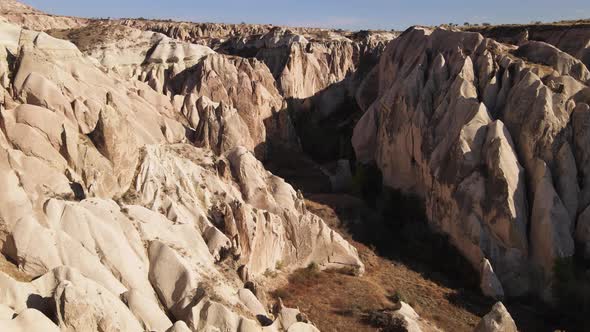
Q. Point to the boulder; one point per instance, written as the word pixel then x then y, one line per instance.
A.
pixel 490 285
pixel 88 308
pixel 497 320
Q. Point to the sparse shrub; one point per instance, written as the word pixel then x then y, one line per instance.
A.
pixel 387 321
pixel 130 196
pixel 279 265
pixel 398 296
pixel 313 267
pixel 270 273
pixel 281 293
pixel 348 270
pixel 306 275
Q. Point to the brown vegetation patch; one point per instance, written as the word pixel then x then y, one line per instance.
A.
pixel 336 301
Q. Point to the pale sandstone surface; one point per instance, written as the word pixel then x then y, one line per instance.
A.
pixel 27 16
pixel 123 222
pixel 302 77
pixel 497 320
pixel 485 138
pixel 134 194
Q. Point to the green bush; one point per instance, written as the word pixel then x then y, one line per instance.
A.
pixel 270 274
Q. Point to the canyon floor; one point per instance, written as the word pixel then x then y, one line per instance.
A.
pixel 338 301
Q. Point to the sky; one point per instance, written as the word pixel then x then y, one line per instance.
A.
pixel 345 14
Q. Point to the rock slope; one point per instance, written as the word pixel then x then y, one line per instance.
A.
pixel 27 16
pixel 135 197
pixel 490 136
pixel 297 83
pixel 123 222
pixel 227 100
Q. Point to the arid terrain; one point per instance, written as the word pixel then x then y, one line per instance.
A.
pixel 180 176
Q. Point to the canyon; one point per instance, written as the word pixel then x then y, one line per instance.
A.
pixel 176 176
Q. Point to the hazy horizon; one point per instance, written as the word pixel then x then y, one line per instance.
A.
pixel 375 14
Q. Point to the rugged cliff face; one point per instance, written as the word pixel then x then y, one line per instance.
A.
pixel 317 72
pixel 104 196
pixel 486 134
pixel 134 189
pixel 228 100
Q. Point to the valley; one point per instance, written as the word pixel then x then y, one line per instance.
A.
pixel 176 176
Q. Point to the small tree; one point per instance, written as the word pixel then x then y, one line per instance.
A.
pixel 486 24
pixel 466 24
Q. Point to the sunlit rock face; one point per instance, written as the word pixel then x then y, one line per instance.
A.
pixel 31 18
pixel 488 140
pixel 133 209
pixel 573 39
pixel 319 73
pixel 295 87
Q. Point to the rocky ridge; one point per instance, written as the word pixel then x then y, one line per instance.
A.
pixel 105 198
pixel 316 78
pixel 27 16
pixel 570 37
pixel 485 133
pixel 134 186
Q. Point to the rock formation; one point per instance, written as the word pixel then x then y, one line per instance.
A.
pixel 27 16
pixel 497 320
pixel 317 71
pixel 126 224
pixel 135 194
pixel 486 139
pixel 570 37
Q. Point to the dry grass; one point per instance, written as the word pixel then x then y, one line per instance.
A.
pixel 96 33
pixel 340 302
pixel 336 301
